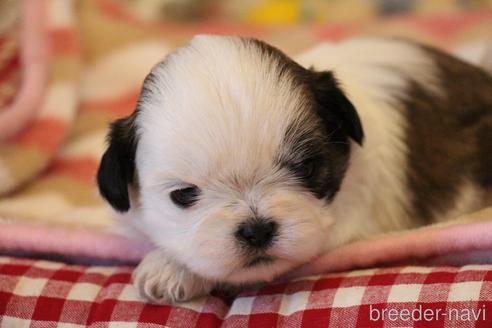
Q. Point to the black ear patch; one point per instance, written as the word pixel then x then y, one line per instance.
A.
pixel 117 167
pixel 333 104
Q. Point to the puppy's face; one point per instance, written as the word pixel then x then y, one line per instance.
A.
pixel 234 154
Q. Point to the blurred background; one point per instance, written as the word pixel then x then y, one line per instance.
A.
pixel 293 11
pixel 69 67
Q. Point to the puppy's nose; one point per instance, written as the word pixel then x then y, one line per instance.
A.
pixel 257 233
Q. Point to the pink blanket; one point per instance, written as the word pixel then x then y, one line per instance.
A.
pixel 34 59
pixel 458 243
pixel 454 244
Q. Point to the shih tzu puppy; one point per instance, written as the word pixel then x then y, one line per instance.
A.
pixel 240 163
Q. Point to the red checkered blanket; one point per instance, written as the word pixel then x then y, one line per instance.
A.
pixel 49 294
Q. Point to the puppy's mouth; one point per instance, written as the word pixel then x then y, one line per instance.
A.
pixel 258 260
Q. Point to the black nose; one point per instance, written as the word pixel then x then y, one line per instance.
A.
pixel 257 233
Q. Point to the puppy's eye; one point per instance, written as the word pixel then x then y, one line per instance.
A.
pixel 307 168
pixel 185 197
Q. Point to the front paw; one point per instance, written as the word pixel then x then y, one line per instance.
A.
pixel 163 281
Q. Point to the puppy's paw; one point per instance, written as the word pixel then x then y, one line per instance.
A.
pixel 163 281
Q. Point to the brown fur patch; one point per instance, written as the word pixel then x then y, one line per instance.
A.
pixel 450 137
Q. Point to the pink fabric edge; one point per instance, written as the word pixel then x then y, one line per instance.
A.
pixel 421 243
pixel 415 244
pixel 34 65
pixel 71 242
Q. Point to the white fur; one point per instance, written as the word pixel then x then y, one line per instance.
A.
pixel 162 280
pixel 217 117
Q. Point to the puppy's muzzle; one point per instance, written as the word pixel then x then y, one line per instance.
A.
pixel 257 233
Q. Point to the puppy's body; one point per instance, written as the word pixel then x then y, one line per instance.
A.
pixel 242 164
pixel 427 119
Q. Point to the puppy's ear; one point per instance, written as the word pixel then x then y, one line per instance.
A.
pixel 333 104
pixel 117 167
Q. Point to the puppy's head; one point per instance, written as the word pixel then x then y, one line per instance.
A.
pixel 235 152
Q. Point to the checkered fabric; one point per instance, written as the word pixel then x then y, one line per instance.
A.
pixel 49 294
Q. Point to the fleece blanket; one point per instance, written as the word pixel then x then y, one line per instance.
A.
pixel 68 68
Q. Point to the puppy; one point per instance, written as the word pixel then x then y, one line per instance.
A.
pixel 240 164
